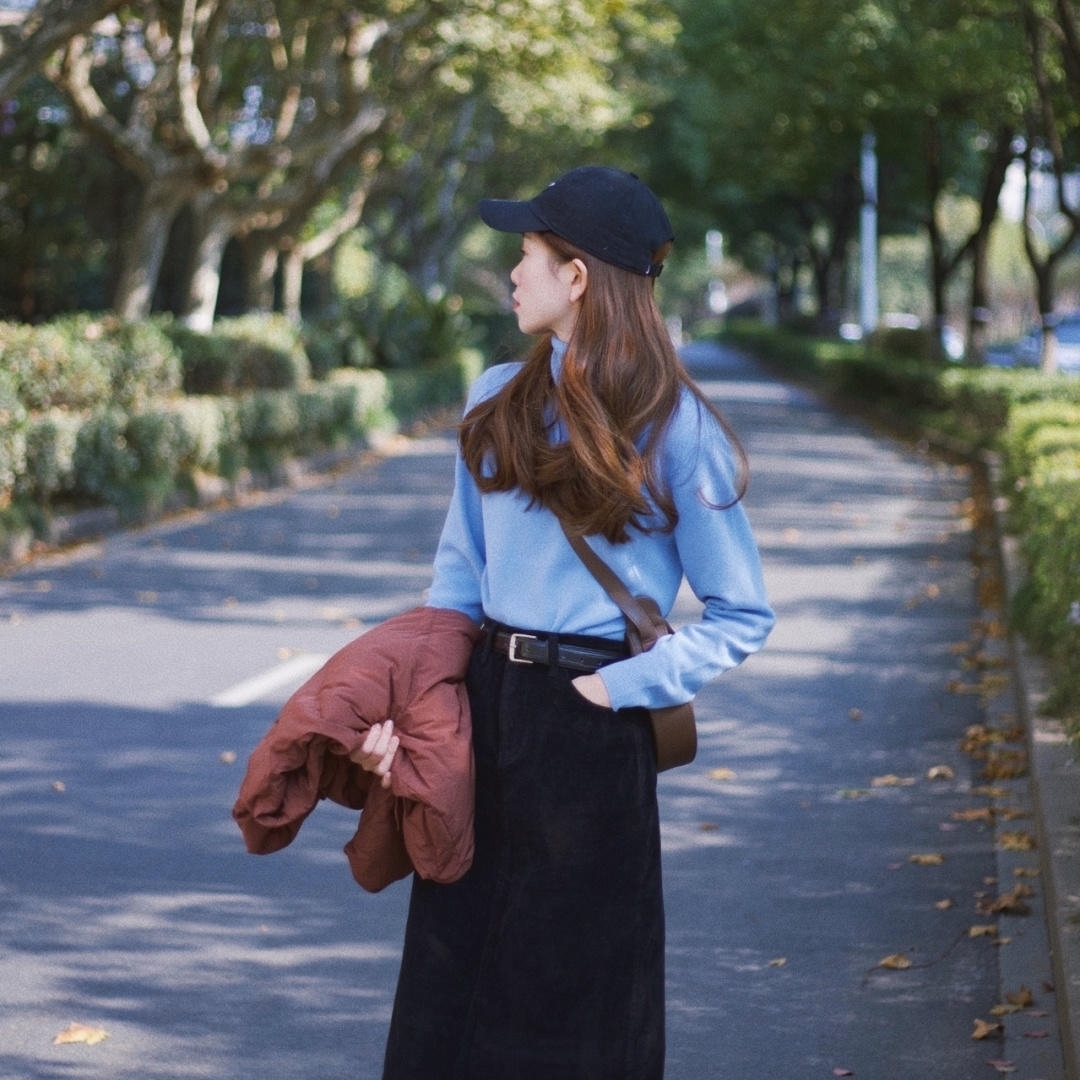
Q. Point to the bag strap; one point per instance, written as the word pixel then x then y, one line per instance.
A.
pixel 648 625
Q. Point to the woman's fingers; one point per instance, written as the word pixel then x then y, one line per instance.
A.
pixel 378 739
pixel 383 768
pixel 378 749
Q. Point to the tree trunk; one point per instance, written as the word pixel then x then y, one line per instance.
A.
pixel 979 310
pixel 292 280
pixel 213 229
pixel 145 250
pixel 260 266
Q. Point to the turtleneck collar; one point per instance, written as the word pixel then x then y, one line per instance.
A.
pixel 558 354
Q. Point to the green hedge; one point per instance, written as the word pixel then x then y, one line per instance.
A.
pixel 140 461
pixel 251 352
pixel 84 362
pixel 93 413
pixel 1029 419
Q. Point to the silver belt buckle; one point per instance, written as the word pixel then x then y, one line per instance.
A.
pixel 511 650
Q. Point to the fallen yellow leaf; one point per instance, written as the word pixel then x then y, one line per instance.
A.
pixel 1005 765
pixel 895 962
pixel 984 1029
pixel 984 930
pixel 1011 903
pixel 892 781
pixel 927 859
pixel 722 774
pixel 940 772
pixel 1016 841
pixel 81 1033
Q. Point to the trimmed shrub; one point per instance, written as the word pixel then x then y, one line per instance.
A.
pixel 269 427
pixel 213 441
pixel 327 347
pixel 55 365
pixel 104 464
pixel 144 364
pixel 361 401
pixel 51 438
pixel 251 352
pixel 435 385
pixel 399 328
pixel 86 362
pixel 1046 608
pixel 12 437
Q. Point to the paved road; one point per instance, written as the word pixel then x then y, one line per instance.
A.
pixel 129 668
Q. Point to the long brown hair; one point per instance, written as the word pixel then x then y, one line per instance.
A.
pixel 620 383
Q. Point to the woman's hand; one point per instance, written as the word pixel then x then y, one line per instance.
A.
pixel 592 688
pixel 376 753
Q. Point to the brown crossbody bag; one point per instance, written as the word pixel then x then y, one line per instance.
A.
pixel 674 727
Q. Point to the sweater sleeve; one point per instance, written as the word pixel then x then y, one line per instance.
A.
pixel 719 558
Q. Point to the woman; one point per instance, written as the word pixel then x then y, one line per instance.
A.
pixel 546 959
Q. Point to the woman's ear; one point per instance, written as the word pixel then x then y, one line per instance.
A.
pixel 579 280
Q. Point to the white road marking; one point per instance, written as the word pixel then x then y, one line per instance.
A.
pixel 294 670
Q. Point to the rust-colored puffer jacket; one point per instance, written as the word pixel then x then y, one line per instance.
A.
pixel 409 668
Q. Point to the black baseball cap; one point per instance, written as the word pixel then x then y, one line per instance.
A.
pixel 607 212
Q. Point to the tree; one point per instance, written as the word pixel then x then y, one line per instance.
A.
pixel 775 100
pixel 29 40
pixel 255 114
pixel 1051 150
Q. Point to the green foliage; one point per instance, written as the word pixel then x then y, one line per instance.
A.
pixel 12 435
pixel 905 343
pixel 51 438
pixel 85 361
pixel 213 440
pixel 104 464
pixel 329 346
pixel 132 461
pixel 53 367
pixel 250 352
pixel 143 363
pixel 65 208
pixel 436 385
pixel 401 328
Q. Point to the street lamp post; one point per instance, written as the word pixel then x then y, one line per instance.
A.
pixel 868 294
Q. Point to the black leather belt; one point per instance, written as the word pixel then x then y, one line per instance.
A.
pixel 523 648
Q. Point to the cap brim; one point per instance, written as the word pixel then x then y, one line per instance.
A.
pixel 509 215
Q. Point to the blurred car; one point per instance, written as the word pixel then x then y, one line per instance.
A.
pixel 1067 331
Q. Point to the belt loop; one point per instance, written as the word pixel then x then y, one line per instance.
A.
pixel 553 655
pixel 490 630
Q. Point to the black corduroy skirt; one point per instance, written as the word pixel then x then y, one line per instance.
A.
pixel 546 960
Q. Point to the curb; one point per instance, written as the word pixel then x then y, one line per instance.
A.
pixel 213 492
pixel 1054 772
